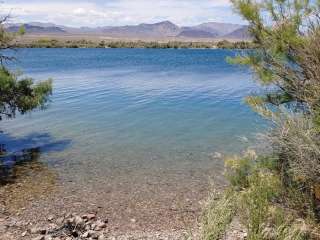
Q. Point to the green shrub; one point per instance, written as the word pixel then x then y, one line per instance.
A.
pixel 238 169
pixel 256 200
pixel 218 214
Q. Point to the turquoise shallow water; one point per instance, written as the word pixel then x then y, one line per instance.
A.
pixel 134 109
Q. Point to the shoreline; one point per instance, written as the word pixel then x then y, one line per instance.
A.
pixel 134 210
pixel 51 42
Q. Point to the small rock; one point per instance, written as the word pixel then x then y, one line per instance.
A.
pixel 102 237
pixel 78 220
pixel 86 234
pixel 75 234
pixel 60 220
pixel 95 236
pixel 3 228
pixel 70 221
pixel 39 238
pixel 50 218
pixel 91 216
pixel 216 155
pixel 36 230
pixel 101 224
pixel 24 234
pixel 133 220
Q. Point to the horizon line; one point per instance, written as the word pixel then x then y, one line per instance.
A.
pixel 137 24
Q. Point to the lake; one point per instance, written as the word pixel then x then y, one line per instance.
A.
pixel 137 133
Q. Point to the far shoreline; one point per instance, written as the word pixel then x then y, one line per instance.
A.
pixel 56 42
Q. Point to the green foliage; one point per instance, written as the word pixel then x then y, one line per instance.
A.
pixel 21 95
pixel 255 201
pixel 18 94
pixel 218 214
pixel 286 34
pixel 254 196
pixel 239 170
pixel 287 58
pixel 278 196
pixel 225 44
pixel 53 43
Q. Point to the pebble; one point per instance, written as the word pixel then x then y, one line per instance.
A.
pixel 39 238
pixel 74 227
pixel 217 155
pixel 60 220
pixel 78 220
pixel 86 234
pixel 102 237
pixel 3 228
pixel 93 226
pixel 38 230
pixel 101 224
pixel 91 216
pixel 133 220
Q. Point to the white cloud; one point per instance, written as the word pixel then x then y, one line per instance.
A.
pixel 79 11
pixel 120 12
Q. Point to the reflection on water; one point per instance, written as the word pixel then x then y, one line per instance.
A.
pixel 24 178
pixel 9 163
pixel 21 152
pixel 23 175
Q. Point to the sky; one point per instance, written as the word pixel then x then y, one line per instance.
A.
pixel 95 13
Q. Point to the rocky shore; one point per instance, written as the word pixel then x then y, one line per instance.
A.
pixel 72 227
pixel 68 227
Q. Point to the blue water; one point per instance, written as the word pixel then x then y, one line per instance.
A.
pixel 133 109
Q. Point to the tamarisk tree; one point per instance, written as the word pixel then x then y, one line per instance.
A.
pixel 287 35
pixel 287 59
pixel 17 93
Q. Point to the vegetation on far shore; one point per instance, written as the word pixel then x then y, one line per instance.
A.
pixel 54 43
pixel 276 194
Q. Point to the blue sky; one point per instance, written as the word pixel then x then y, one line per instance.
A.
pixel 120 12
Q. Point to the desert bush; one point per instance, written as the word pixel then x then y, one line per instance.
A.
pixel 256 195
pixel 286 61
pixel 255 202
pixel 219 212
pixel 238 169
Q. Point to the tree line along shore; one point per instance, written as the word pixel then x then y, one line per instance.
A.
pixel 54 43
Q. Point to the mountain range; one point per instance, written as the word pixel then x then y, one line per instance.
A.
pixel 160 30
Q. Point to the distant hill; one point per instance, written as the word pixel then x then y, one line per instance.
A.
pixel 219 29
pixel 241 33
pixel 194 33
pixel 36 29
pixel 156 30
pixel 160 30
